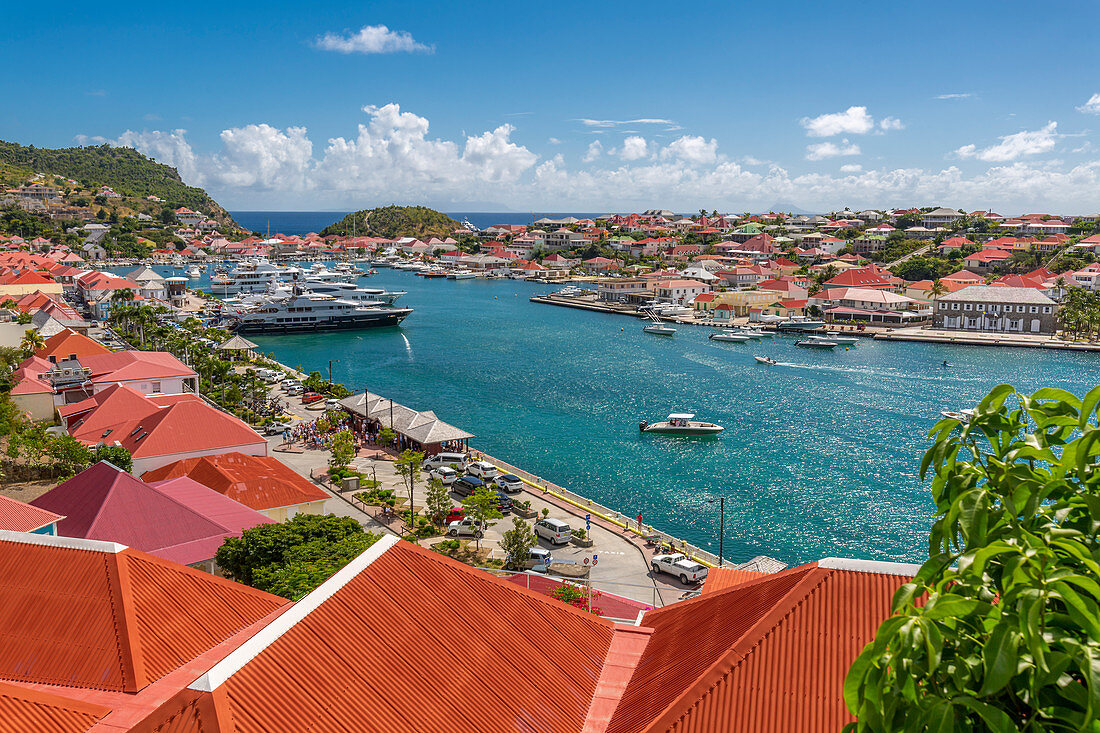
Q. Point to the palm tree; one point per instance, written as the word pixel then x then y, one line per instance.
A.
pixel 937 289
pixel 32 341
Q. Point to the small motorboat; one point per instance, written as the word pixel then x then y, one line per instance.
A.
pixel 659 329
pixel 766 360
pixel 681 423
pixel 751 333
pixel 729 336
pixel 962 416
pixel 818 343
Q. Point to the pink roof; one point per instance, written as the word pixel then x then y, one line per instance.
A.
pixel 179 520
pixel 129 366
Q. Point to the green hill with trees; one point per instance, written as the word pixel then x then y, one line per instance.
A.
pixel 394 221
pixel 123 169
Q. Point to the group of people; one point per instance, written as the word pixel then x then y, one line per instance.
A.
pixel 318 434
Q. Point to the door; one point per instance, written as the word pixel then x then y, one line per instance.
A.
pixel 1035 325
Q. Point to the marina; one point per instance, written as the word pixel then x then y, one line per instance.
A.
pixel 784 462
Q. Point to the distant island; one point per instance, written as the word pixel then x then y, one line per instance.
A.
pixel 392 221
pixel 135 184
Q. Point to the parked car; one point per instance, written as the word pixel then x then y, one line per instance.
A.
pixel 538 559
pixel 554 531
pixel 465 527
pixel 456 514
pixel 294 390
pixel 467 485
pixel 445 474
pixel 483 470
pixel 288 383
pixel 276 428
pixel 509 482
pixel 505 503
pixel 310 397
pixel 332 403
pixel 688 571
pixel 444 459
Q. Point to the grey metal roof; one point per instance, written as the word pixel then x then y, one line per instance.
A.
pixel 998 294
pixel 423 427
pixel 237 343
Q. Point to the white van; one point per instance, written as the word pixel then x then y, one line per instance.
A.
pixel 444 459
pixel 553 530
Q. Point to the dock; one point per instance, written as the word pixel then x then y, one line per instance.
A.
pixel 970 338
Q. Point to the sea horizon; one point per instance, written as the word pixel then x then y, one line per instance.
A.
pixel 303 222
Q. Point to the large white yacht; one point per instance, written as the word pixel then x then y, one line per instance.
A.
pixel 351 291
pixel 306 311
pixel 254 277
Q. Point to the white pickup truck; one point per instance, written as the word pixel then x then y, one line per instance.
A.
pixel 688 571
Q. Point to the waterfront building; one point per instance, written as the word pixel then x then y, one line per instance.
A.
pixel 872 305
pixel 861 277
pixel 997 308
pixel 679 291
pixel 735 303
pixel 421 431
pixel 625 290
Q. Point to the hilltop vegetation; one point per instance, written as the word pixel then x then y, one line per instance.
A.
pixel 123 169
pixel 395 221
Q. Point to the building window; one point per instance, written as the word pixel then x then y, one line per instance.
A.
pixel 1046 309
pixel 968 306
pixel 1019 309
pixel 155 388
pixel 1033 309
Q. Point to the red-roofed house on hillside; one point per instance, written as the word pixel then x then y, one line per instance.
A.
pixel 178 520
pixel 158 429
pixel 259 482
pixel 985 260
pixel 15 285
pixel 860 277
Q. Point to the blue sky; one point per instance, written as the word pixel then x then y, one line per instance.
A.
pixel 732 106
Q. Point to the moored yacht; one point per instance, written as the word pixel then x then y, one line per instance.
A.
pixel 305 311
pixel 681 423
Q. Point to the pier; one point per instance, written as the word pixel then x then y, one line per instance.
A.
pixel 975 338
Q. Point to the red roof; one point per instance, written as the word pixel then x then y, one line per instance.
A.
pixel 107 617
pixel 156 425
pixel 66 343
pixel 16 516
pixel 722 578
pixel 178 520
pixel 129 366
pixel 761 656
pixel 33 710
pixel 460 672
pixel 260 482
pixel 860 277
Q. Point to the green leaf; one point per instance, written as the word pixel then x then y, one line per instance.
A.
pixel 999 657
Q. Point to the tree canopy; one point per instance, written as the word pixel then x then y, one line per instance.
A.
pixel 292 558
pixel 1000 628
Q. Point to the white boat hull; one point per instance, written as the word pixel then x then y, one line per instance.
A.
pixel 701 428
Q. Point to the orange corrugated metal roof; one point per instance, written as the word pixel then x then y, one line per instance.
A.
pixel 722 578
pixel 404 639
pixel 258 482
pixel 106 617
pixel 66 343
pixel 766 655
pixel 32 710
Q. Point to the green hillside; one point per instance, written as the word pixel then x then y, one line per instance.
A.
pixel 124 169
pixel 395 221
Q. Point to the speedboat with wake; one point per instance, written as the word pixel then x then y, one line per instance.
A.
pixel 766 360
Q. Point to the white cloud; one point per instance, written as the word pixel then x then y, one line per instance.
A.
pixel 618 123
pixel 372 39
pixel 891 123
pixel 693 149
pixel 1091 107
pixel 963 95
pixel 821 151
pixel 634 147
pixel 1014 146
pixel 852 121
pixel 393 158
pixel 554 141
pixel 851 168
pixel 595 150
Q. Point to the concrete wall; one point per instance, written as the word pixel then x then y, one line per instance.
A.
pixel 38 406
pixel 283 513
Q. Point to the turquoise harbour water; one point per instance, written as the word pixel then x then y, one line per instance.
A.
pixel 819 457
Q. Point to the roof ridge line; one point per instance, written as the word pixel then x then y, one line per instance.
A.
pixel 738 653
pixel 66 543
pixel 880 567
pixel 217 675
